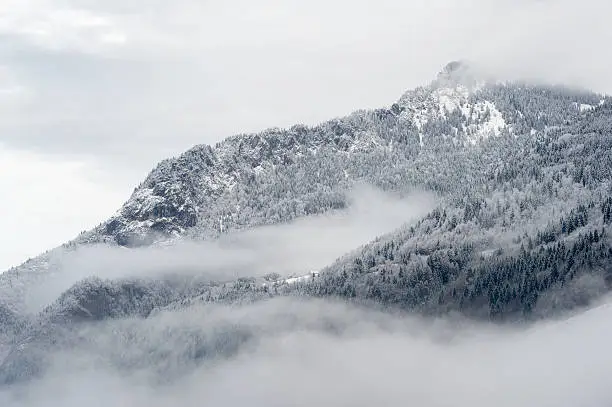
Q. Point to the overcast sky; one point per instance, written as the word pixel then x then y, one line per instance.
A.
pixel 94 92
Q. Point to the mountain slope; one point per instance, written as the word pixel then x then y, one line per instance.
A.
pixel 522 229
pixel 278 175
pixel 460 136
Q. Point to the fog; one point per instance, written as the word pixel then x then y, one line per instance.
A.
pixel 291 249
pixel 301 351
pixel 315 353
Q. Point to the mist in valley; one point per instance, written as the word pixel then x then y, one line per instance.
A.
pixel 311 352
pixel 290 249
pixel 195 72
pixel 300 351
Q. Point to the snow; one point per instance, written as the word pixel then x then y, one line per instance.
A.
pixel 220 181
pixel 297 279
pixel 583 107
pixel 143 200
pixel 258 170
pixel 484 118
pixel 364 141
pixel 294 280
pixel 493 126
pixel 450 99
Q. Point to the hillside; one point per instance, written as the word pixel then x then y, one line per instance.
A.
pixel 523 173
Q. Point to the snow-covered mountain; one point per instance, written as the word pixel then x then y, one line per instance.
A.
pixel 522 229
pixel 241 181
pixel 447 137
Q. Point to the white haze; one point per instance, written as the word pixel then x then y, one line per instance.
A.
pixel 318 353
pixel 308 352
pixel 290 249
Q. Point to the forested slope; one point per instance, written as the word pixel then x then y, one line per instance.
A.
pixel 522 228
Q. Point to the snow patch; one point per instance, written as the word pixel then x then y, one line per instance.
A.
pixel 293 280
pixel 583 107
pixel 450 99
pixel 482 118
pixel 364 141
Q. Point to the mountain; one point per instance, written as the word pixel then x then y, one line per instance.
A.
pixel 244 180
pixel 522 230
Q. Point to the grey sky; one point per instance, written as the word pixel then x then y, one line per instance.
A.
pixel 117 85
pixel 150 79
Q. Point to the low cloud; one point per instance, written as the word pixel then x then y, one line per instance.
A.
pixel 310 352
pixel 289 249
pixel 303 352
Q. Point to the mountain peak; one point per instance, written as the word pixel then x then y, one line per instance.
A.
pixel 453 67
pixel 457 73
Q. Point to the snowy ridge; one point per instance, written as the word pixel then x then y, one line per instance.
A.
pixel 281 174
pixel 484 120
pixel 585 107
pixel 182 195
pixel 299 279
pixel 454 97
pixel 185 192
pixel 202 192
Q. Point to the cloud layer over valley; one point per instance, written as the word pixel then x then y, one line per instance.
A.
pixel 289 249
pixel 311 352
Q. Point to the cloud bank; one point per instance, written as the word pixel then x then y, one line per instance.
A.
pixel 303 353
pixel 292 249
